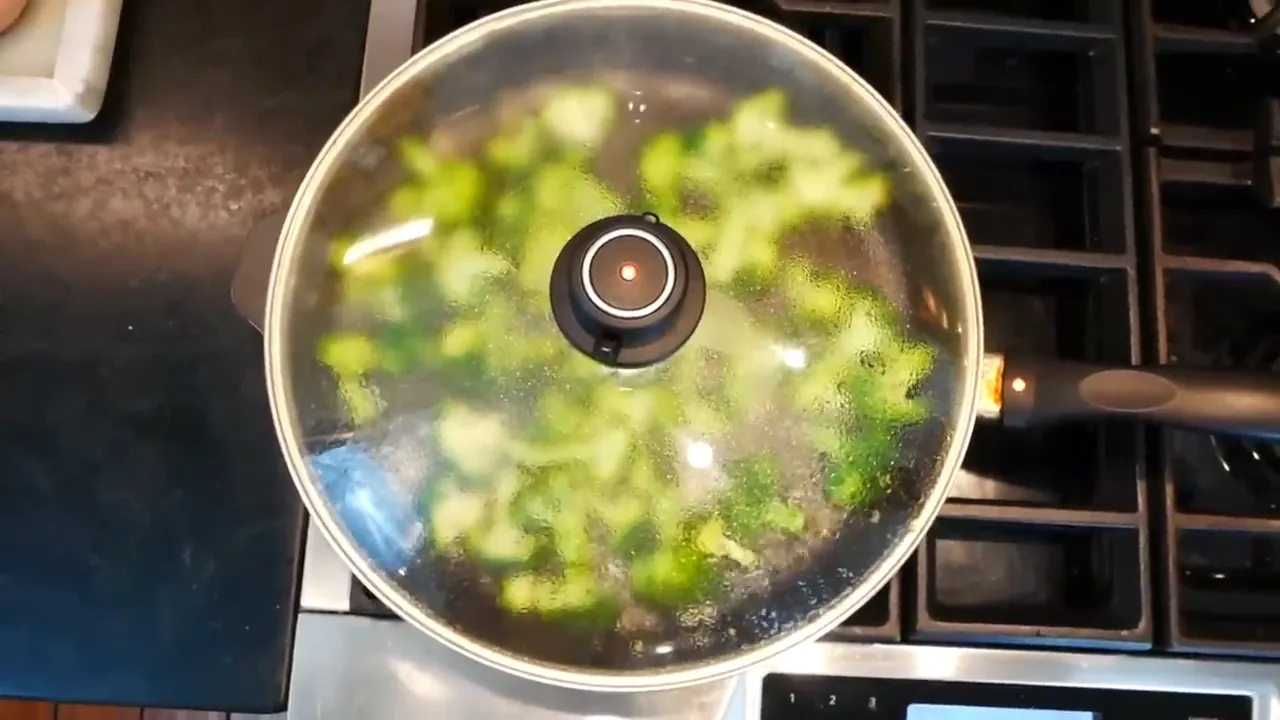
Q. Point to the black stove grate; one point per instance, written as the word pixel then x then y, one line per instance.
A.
pixel 1054 537
pixel 1024 107
pixel 1206 91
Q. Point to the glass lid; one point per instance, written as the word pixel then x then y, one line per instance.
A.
pixel 622 340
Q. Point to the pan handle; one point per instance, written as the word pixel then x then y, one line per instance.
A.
pixel 249 286
pixel 1035 391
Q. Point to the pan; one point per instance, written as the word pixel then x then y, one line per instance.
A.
pixel 622 345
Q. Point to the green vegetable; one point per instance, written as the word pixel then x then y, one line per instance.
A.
pixel 472 441
pixel 580 490
pixel 580 116
pixel 349 353
pixel 660 167
pixel 362 403
pixel 711 539
pixel 572 594
pixel 753 490
pixel 674 575
pixel 782 516
pixel 455 514
pixel 464 266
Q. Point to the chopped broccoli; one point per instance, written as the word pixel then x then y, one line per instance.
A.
pixel 567 481
pixel 349 353
pixel 674 575
pixel 711 539
pixel 580 116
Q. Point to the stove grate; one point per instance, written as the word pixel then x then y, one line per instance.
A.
pixel 1206 95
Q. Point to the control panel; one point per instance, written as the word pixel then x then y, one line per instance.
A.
pixel 800 697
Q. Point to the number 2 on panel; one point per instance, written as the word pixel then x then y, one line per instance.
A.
pixel 831 699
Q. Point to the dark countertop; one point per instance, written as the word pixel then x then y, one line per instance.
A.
pixel 149 534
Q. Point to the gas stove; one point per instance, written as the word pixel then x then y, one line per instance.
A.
pixel 1117 169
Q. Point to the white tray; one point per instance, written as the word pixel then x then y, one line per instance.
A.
pixel 54 62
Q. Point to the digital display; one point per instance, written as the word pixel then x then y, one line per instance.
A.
pixel 958 712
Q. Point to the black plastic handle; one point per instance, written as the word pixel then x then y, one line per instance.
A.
pixel 249 287
pixel 1225 402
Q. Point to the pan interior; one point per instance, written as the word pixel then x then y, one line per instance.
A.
pixel 401 448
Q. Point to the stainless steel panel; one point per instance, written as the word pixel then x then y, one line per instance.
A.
pixel 347 667
pixel 388 40
pixel 326 579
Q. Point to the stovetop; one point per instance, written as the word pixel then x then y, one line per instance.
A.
pixel 1115 165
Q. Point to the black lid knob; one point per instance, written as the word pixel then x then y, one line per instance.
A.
pixel 627 290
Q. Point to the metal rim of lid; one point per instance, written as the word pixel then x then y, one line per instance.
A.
pixel 279 377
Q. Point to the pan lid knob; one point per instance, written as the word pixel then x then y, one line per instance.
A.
pixel 627 290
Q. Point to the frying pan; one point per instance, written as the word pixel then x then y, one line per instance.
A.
pixel 367 481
